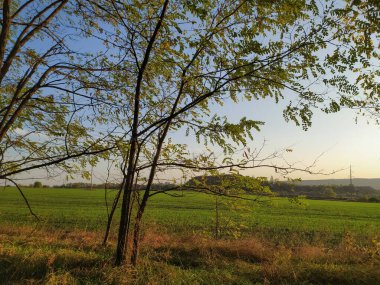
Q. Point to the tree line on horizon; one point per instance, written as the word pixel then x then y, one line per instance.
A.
pixel 277 188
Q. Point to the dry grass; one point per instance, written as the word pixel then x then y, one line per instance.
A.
pixel 36 256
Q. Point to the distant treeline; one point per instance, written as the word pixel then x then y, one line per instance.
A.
pixel 346 192
pixel 289 189
pixel 279 188
pixel 81 185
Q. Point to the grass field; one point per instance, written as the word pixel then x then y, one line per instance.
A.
pixel 318 242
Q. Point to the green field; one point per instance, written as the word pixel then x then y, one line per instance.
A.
pixel 340 238
pixel 85 209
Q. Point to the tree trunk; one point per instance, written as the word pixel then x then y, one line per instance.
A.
pixel 123 227
pixel 136 236
pixel 110 217
pixel 125 208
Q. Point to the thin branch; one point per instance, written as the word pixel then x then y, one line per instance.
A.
pixel 25 199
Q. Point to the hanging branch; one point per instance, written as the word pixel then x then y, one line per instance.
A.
pixel 24 197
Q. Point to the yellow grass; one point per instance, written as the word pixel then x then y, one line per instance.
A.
pixel 36 256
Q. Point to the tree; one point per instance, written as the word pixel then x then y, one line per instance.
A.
pixel 50 106
pixel 179 58
pixel 329 192
pixel 162 65
pixel 37 184
pixel 232 192
pixel 359 56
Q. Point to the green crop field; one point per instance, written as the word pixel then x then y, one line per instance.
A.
pixel 85 209
pixel 281 242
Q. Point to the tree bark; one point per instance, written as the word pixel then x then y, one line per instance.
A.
pixel 125 210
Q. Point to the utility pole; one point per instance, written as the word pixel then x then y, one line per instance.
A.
pixel 352 187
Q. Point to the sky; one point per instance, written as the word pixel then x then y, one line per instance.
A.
pixel 338 137
pixel 337 140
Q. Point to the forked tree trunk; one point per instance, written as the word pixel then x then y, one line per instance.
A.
pixel 114 207
pixel 123 228
pixel 125 208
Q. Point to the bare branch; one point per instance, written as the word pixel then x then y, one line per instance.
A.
pixel 24 197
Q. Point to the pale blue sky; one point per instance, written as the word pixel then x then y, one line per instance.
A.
pixel 342 141
pixel 338 136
